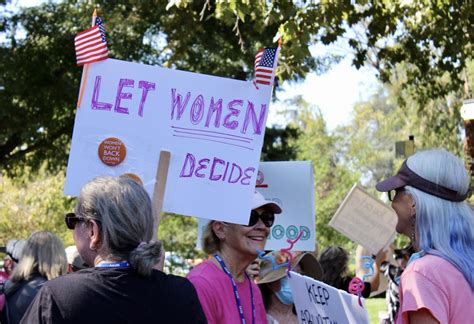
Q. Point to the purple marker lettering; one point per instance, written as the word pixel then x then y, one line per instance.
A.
pixel 233 112
pixel 123 95
pixel 232 172
pixel 95 104
pixel 212 176
pixel 247 176
pixel 225 172
pixel 176 102
pixel 197 110
pixel 214 107
pixel 200 167
pixel 259 125
pixel 146 86
pixel 192 161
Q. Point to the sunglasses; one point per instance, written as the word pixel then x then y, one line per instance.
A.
pixel 268 218
pixel 71 220
pixel 391 194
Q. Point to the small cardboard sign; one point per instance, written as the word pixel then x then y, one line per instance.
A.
pixel 365 220
pixel 317 302
pixel 290 183
pixel 212 126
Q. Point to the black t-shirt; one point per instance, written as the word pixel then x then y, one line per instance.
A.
pixel 117 295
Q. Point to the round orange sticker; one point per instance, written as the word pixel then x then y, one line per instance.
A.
pixel 112 151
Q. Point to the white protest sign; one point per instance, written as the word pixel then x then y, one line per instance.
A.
pixel 289 183
pixel 317 302
pixel 366 220
pixel 212 126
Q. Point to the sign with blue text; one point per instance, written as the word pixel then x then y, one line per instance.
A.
pixel 317 302
pixel 212 126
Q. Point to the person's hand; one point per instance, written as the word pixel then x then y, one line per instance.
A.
pixel 253 269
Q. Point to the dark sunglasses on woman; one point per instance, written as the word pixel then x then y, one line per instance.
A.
pixel 71 220
pixel 268 218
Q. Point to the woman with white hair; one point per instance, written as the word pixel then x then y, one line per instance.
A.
pixel 113 228
pixel 226 292
pixel 42 259
pixel 429 195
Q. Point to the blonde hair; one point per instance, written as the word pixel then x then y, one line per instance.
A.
pixel 43 254
pixel 210 242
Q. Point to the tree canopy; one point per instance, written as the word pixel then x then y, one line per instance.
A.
pixel 39 79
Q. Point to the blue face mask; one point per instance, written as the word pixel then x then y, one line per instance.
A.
pixel 284 294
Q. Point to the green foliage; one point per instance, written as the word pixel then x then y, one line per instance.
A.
pixel 277 144
pixel 30 204
pixel 179 234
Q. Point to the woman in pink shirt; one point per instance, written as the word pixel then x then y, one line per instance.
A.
pixel 429 195
pixel 226 292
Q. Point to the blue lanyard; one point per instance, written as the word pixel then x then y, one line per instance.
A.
pixel 122 264
pixel 236 293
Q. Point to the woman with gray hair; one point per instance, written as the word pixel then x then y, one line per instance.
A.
pixel 113 228
pixel 226 292
pixel 42 259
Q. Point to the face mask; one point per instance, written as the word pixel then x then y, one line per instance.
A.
pixel 284 294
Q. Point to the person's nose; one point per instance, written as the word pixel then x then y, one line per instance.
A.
pixel 260 226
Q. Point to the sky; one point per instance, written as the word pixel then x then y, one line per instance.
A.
pixel 334 92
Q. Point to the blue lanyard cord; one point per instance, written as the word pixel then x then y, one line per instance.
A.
pixel 236 293
pixel 122 264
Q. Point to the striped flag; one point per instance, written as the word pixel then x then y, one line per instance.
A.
pixel 91 45
pixel 265 64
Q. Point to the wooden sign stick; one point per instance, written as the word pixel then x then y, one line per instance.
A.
pixel 160 186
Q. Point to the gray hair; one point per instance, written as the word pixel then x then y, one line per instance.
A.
pixel 43 253
pixel 123 211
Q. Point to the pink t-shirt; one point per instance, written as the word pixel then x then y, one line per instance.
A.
pixel 217 298
pixel 435 284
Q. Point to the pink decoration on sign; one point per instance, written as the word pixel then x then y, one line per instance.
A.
pixel 356 287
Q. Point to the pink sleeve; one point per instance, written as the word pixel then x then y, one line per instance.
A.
pixel 204 291
pixel 418 292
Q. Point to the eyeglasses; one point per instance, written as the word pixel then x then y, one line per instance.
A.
pixel 71 220
pixel 391 194
pixel 268 218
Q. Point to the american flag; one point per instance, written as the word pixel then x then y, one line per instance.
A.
pixel 265 64
pixel 91 45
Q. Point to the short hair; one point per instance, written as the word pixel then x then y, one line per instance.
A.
pixel 209 240
pixel 43 253
pixel 334 260
pixel 445 228
pixel 122 208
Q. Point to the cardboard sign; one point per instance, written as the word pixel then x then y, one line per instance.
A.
pixel 212 126
pixel 316 302
pixel 366 220
pixel 291 185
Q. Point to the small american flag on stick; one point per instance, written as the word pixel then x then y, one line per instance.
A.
pixel 91 45
pixel 265 64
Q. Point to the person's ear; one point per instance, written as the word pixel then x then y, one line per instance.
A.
pixel 94 235
pixel 219 229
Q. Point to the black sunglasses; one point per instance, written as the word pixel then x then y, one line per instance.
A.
pixel 268 218
pixel 391 194
pixel 71 220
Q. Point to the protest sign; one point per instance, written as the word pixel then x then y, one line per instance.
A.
pixel 316 302
pixel 212 126
pixel 366 220
pixel 290 183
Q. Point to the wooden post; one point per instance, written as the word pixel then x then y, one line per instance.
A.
pixel 160 186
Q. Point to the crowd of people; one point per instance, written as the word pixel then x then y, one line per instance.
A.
pixel 114 274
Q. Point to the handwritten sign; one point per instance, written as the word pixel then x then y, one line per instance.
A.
pixel 212 126
pixel 316 302
pixel 366 220
pixel 291 185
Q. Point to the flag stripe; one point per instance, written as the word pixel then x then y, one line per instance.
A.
pixel 265 65
pixel 93 38
pixel 101 58
pixel 262 82
pixel 87 31
pixel 91 45
pixel 91 48
pixel 93 54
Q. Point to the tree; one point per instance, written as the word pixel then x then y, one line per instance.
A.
pixel 40 80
